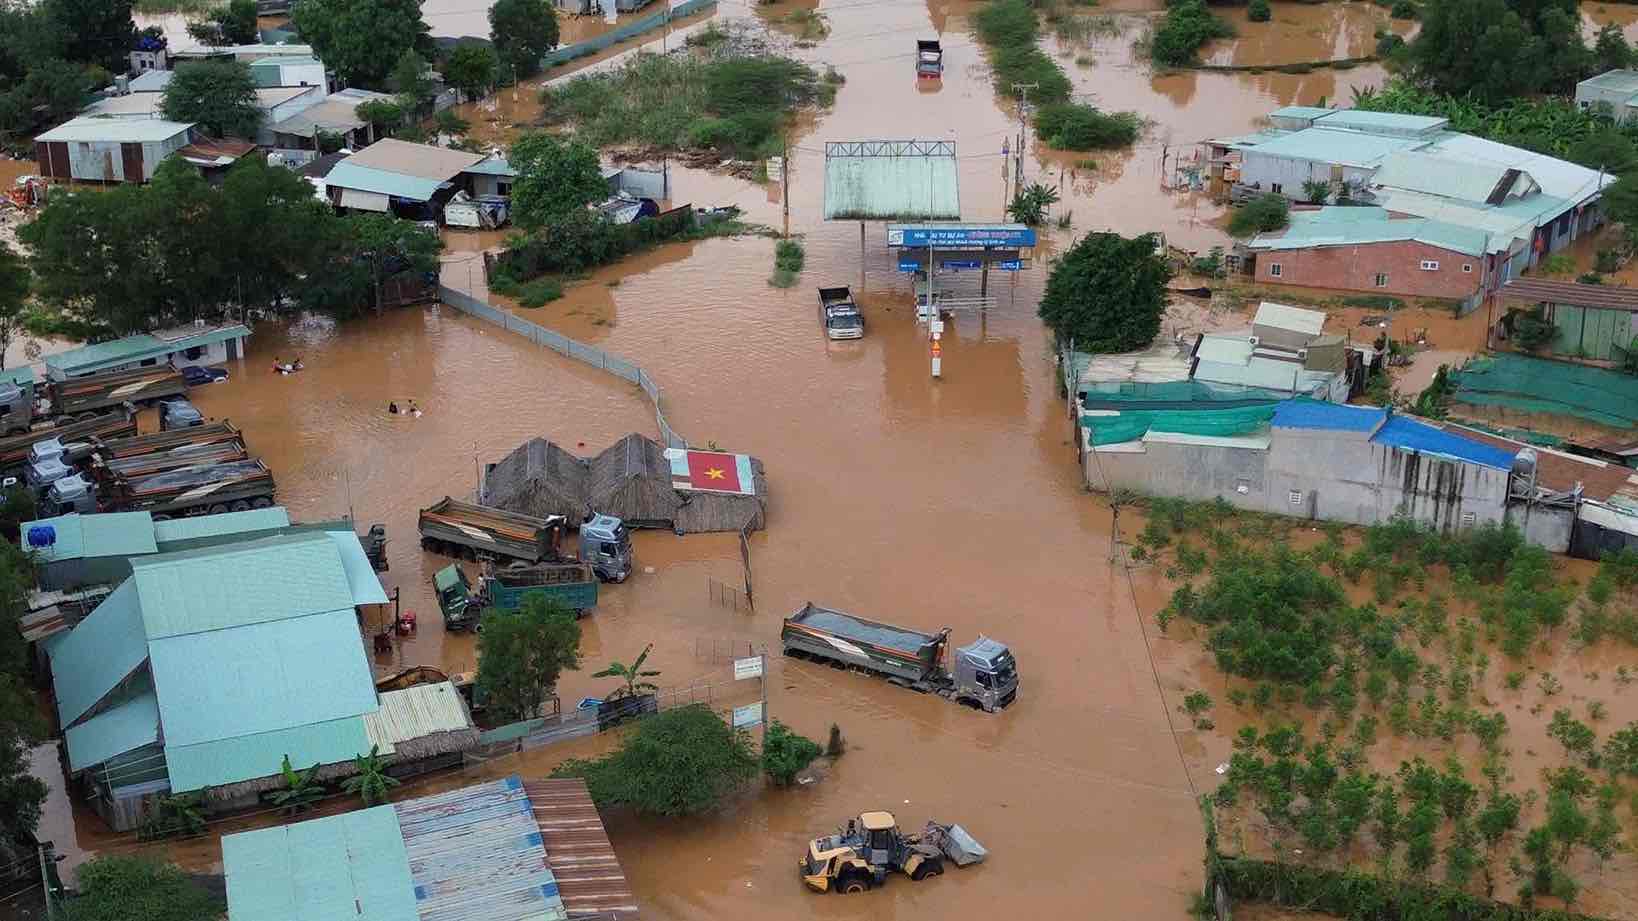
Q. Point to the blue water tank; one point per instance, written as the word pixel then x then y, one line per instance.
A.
pixel 43 535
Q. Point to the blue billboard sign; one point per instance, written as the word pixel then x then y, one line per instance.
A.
pixel 961 236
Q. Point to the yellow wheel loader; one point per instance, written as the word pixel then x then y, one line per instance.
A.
pixel 861 854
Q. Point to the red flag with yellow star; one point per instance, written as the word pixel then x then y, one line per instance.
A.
pixel 714 471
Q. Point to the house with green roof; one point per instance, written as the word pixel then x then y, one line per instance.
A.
pixel 207 667
pixel 196 344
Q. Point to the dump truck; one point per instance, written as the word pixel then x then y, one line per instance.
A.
pixel 98 393
pixel 507 588
pixel 863 852
pixel 838 315
pixel 982 675
pixel 461 529
pixel 374 542
pixel 929 58
pixel 201 489
pixel 142 465
pixel 210 433
pixel 15 450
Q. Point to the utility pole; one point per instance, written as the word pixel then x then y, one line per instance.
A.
pixel 1022 90
pixel 785 178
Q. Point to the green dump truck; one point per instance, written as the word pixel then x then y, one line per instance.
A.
pixel 505 589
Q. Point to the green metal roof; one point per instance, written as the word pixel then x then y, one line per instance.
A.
pixel 95 656
pixel 892 181
pixel 1347 226
pixel 95 536
pixel 235 585
pixel 101 355
pixel 225 524
pixel 1308 112
pixel 351 866
pixel 22 377
pixel 114 732
pixel 361 578
pixel 353 176
pixel 261 678
pixel 227 761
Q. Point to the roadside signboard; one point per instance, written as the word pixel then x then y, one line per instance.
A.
pixel 748 667
pixel 748 715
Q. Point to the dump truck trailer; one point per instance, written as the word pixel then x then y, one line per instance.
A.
pixel 983 673
pixel 929 58
pixel 506 589
pixel 126 468
pixel 108 449
pixel 462 529
pixel 96 393
pixel 201 489
pixel 15 449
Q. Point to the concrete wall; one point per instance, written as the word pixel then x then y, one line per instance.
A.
pixel 286 109
pixel 1289 174
pixel 1354 268
pixel 490 185
pixel 1546 527
pixel 1587 96
pixel 1199 472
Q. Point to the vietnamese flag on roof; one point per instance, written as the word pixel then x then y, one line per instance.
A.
pixel 712 471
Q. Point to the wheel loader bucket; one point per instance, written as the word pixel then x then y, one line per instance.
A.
pixel 957 844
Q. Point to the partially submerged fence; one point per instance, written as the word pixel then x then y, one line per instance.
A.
pixel 619 34
pixel 563 345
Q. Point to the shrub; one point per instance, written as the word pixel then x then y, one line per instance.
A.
pixel 785 754
pixel 1405 9
pixel 1270 211
pixel 1186 26
pixel 1259 11
pixel 676 762
pixel 1074 126
pixel 836 745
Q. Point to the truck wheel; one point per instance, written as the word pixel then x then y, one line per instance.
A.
pixel 926 869
pixel 261 502
pixel 853 884
pixel 218 508
pixel 239 505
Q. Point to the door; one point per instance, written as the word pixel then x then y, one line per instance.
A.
pixel 131 161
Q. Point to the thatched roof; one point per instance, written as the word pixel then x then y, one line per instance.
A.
pixel 539 478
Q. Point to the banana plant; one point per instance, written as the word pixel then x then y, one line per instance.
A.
pixel 301 790
pixel 371 783
pixel 632 675
pixel 182 814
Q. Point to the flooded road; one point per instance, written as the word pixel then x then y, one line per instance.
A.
pixel 929 503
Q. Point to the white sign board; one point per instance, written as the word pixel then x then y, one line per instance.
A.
pixel 750 667
pixel 748 715
pixel 776 169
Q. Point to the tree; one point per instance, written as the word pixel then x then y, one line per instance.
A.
pixel 13 295
pixel 219 95
pixel 1030 205
pixel 382 116
pixel 522 31
pixel 389 246
pixel 233 24
pixel 21 793
pixel 51 91
pixel 1315 191
pixel 410 80
pixel 521 653
pixel 118 888
pixel 676 762
pixel 555 176
pixel 95 32
pixel 1259 11
pixel 180 814
pixel 1269 211
pixel 786 753
pixel 1495 50
pixel 362 39
pixel 301 790
pixel 1607 149
pixel 632 675
pixel 471 69
pixel 1107 293
pixel 371 784
pixel 1610 50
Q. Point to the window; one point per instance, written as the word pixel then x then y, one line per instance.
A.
pixel 503 188
pixel 1564 223
pixel 1467 267
pixel 1430 265
pixel 983 679
pixel 1274 269
pixel 149 362
pixel 194 353
pixel 606 547
pixel 1276 187
pixel 1381 280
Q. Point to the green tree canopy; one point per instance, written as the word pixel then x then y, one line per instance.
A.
pixel 384 116
pixel 676 762
pixel 14 285
pixel 232 24
pixel 1499 49
pixel 1269 211
pixel 51 91
pixel 389 246
pixel 471 69
pixel 120 888
pixel 521 653
pixel 362 39
pixel 97 33
pixel 556 175
pixel 1107 293
pixel 410 80
pixel 1611 50
pixel 523 31
pixel 1621 203
pixel 219 95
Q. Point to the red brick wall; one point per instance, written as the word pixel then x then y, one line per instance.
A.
pixel 1354 268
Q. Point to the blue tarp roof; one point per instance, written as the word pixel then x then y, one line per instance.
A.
pixel 1408 434
pixel 1331 417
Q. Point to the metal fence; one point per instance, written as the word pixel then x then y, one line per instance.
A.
pixel 563 345
pixel 635 27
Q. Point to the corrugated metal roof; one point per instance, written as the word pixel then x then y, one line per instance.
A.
pixel 261 678
pixel 1286 317
pixel 238 584
pixel 94 657
pixel 134 105
pixel 88 358
pixel 201 526
pixel 1557 178
pixel 1329 145
pixel 1265 373
pixel 1362 120
pixel 1301 112
pixel 1326 416
pixel 589 878
pixel 1423 172
pixel 350 175
pixel 362 581
pixel 115 731
pixel 152 81
pixel 421 161
pixel 1410 435
pixel 335 115
pixel 1226 348
pixel 497 165
pixel 269 96
pixel 123 130
pixel 1329 226
pixel 226 761
pixel 350 866
pixel 18 376
pixel 283 61
pixel 1616 81
pixel 94 536
pixel 475 854
pixel 892 188
pixel 1542 290
pixel 415 712
pixel 1258 442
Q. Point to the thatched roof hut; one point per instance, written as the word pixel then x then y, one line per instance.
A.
pixel 635 479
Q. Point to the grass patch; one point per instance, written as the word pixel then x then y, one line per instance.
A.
pixel 1076 126
pixel 789 257
pixel 1373 302
pixel 1086 164
pixel 531 294
pixel 708 37
pixel 810 25
pixel 734 104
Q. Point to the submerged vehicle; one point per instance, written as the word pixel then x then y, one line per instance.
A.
pixel 839 315
pixel 862 854
pixel 572 583
pixel 462 529
pixel 929 58
pixel 983 674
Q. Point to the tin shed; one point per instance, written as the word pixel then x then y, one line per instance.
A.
pixel 109 149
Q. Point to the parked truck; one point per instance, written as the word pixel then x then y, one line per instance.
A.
pixel 142 465
pixel 507 588
pixel 201 489
pixel 929 58
pixel 982 674
pixel 210 433
pixel 16 449
pixel 94 394
pixel 461 529
pixel 838 314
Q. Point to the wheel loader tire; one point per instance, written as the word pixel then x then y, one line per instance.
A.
pixel 928 868
pixel 853 884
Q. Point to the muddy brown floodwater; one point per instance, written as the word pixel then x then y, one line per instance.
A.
pixel 929 503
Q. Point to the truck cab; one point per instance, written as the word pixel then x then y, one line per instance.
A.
pixel 839 315
pixel 69 494
pixel 605 543
pixel 986 675
pixel 454 597
pixel 17 409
